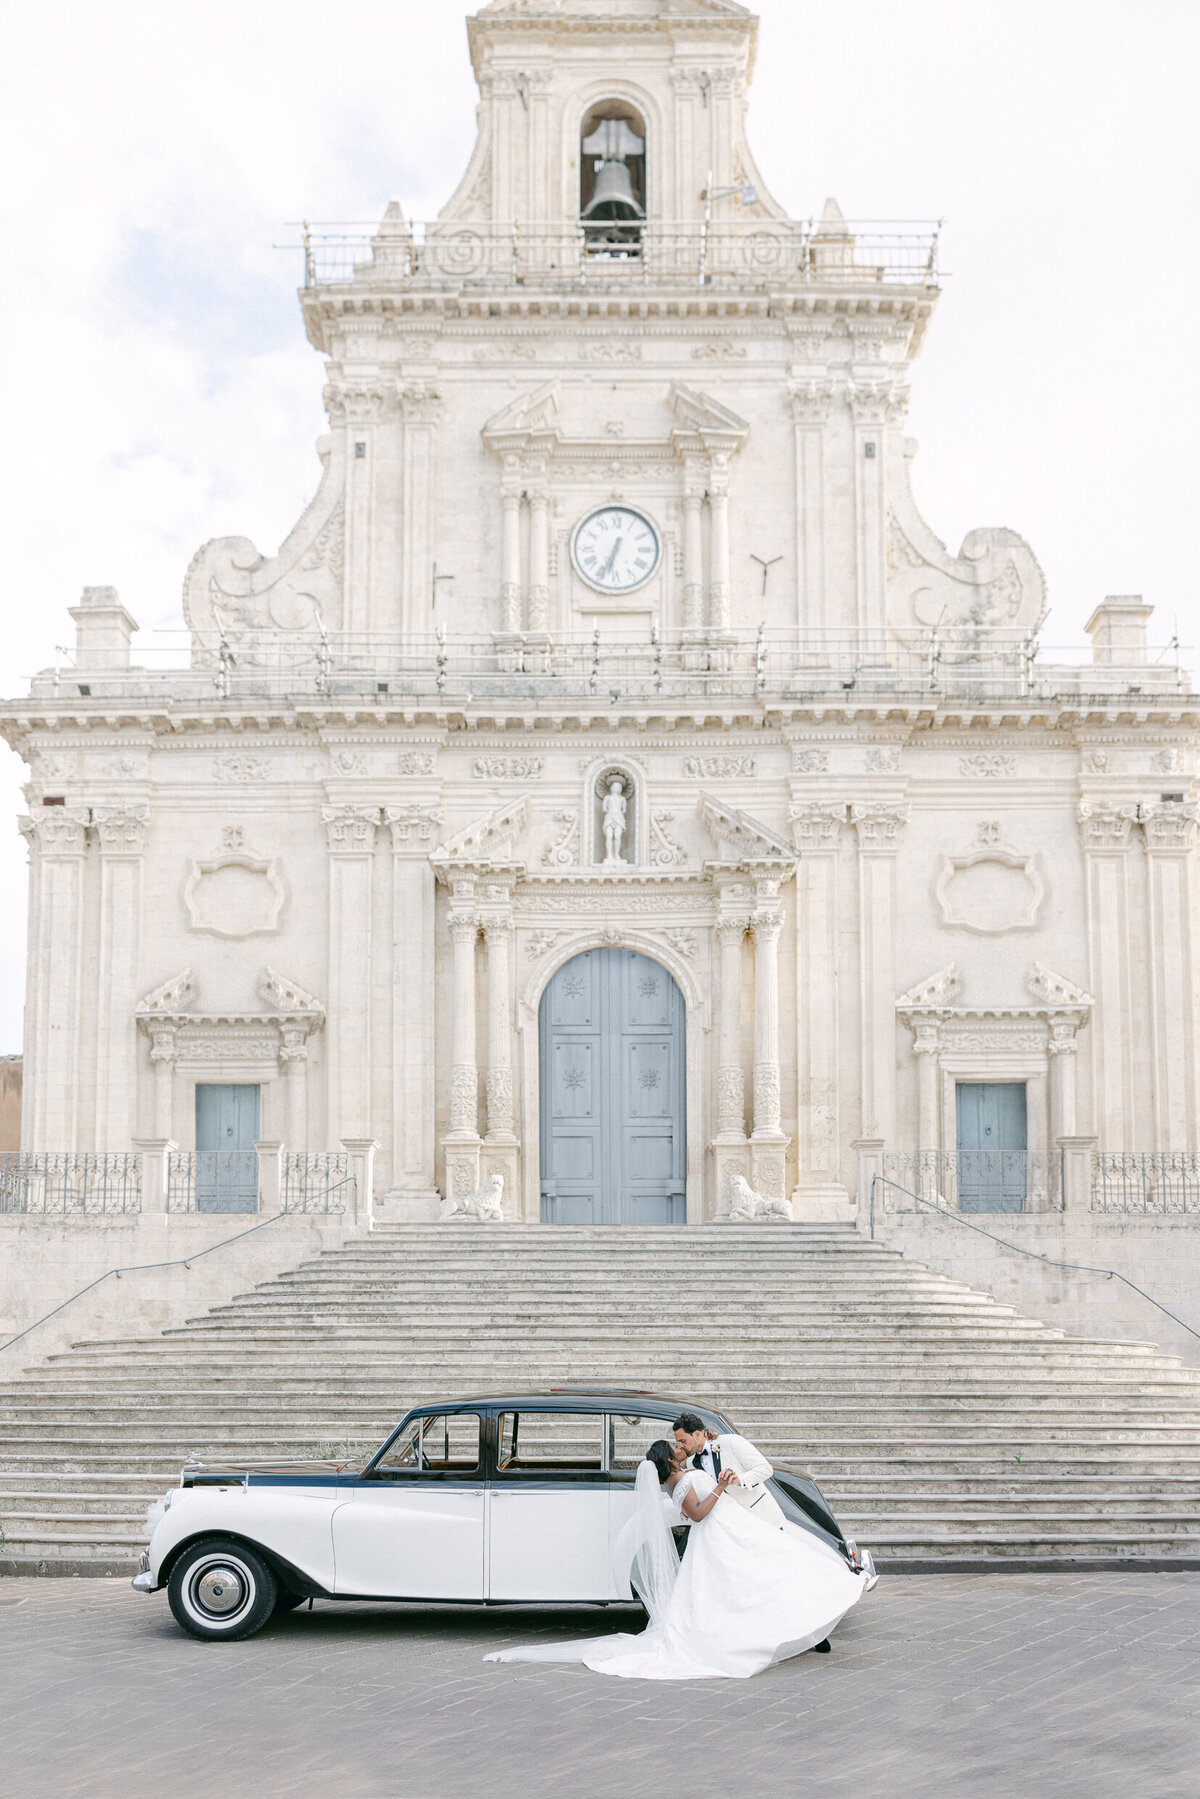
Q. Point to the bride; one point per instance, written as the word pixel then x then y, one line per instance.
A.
pixel 746 1594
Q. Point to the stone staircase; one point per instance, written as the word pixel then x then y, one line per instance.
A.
pixel 945 1429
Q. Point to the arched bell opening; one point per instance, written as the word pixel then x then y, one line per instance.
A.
pixel 612 177
pixel 612 1078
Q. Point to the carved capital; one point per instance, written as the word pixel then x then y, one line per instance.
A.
pixel 811 401
pixel 414 828
pixel 464 927
pixel 732 930
pixel 1168 830
pixel 1106 827
pixel 56 830
pixel 879 827
pixel 164 1042
pixel 767 927
pixel 817 827
pixel 351 829
pixel 121 830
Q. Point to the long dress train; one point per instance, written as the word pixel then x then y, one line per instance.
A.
pixel 747 1594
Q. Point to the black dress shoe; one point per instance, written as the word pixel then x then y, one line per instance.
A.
pixel 825 1648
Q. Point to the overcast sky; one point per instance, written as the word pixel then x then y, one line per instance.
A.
pixel 160 392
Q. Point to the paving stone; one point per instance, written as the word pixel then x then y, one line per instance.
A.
pixel 939 1687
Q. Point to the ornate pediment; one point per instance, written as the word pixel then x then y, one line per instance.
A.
pixel 740 838
pixel 1054 989
pixel 174 996
pixel 287 996
pixel 705 421
pixel 531 415
pixel 489 839
pixel 938 990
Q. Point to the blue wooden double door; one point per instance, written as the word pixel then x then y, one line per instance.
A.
pixel 613 1138
pixel 226 1162
pixel 993 1161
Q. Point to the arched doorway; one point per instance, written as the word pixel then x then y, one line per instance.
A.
pixel 613 1139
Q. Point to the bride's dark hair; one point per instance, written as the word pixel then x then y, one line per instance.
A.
pixel 660 1454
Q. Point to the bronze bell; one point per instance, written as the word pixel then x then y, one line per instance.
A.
pixel 614 196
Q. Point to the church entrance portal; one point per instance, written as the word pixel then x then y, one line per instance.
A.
pixel 613 1143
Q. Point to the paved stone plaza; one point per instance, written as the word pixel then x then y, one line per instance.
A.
pixel 940 1687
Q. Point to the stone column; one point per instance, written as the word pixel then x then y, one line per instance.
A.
pixel 693 558
pixel 50 1115
pixel 121 832
pixel 539 560
pixel 414 1009
pixel 879 831
pixel 501 1151
pixel 768 1144
pixel 163 1051
pixel 721 586
pixel 927 1049
pixel 293 1053
pixel 729 1146
pixel 1063 1050
pixel 462 1141
pixel 1105 834
pixel 874 406
pixel 1170 834
pixel 351 831
pixel 510 548
pixel 816 832
pixel 419 409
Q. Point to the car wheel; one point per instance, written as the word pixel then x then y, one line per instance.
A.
pixel 220 1590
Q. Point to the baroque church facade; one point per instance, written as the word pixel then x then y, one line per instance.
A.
pixel 613 784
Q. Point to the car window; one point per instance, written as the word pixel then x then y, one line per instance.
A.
pixel 630 1436
pixel 547 1441
pixel 444 1443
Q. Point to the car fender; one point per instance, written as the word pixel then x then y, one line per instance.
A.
pixel 292 1526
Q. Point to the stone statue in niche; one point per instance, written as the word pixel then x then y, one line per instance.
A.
pixel 614 810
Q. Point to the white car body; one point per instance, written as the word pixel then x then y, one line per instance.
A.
pixel 476 1501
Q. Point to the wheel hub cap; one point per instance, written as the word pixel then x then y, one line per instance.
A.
pixel 220 1591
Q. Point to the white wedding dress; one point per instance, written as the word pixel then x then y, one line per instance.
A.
pixel 746 1594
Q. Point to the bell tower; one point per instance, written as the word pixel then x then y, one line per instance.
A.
pixel 609 111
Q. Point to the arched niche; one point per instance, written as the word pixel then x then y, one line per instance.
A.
pixel 597 790
pixel 612 175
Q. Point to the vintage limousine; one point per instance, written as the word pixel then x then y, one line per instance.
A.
pixel 478 1502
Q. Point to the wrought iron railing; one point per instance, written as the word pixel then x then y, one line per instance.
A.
pixel 212 1180
pixel 1157 1184
pixel 315 1181
pixel 68 1183
pixel 542 668
pixel 979 1180
pixel 742 254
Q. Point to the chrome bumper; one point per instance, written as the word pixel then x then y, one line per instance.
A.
pixel 143 1580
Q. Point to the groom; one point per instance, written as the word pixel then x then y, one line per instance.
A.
pixel 714 1454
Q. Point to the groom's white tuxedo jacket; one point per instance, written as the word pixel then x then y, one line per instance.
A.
pixel 752 1469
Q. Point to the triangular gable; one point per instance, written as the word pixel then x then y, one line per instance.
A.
pixel 530 414
pixel 488 839
pixel 742 838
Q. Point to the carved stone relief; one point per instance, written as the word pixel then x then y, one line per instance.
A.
pixel 990 892
pixel 234 894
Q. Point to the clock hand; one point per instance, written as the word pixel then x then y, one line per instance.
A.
pixel 608 566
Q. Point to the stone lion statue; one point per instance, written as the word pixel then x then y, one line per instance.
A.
pixel 483 1206
pixel 748 1207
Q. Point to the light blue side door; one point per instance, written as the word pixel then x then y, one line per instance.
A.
pixel 992 1143
pixel 613 1140
pixel 226 1163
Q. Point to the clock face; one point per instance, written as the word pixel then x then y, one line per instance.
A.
pixel 615 549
